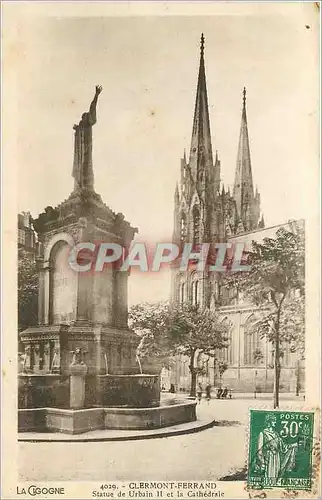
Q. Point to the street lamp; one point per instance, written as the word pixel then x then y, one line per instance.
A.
pixel 255 376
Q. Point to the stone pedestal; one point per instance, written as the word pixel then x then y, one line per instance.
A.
pixel 77 385
pixel 80 309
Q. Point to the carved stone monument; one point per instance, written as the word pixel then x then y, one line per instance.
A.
pixel 78 309
pixel 85 312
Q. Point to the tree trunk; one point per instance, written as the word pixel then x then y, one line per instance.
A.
pixel 297 390
pixel 193 374
pixel 277 371
pixel 193 383
pixel 277 358
pixel 215 374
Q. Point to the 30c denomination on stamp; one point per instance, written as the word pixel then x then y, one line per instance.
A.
pixel 280 449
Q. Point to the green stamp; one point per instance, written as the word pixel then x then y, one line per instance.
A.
pixel 280 449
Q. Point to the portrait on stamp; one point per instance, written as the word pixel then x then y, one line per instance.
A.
pixel 280 449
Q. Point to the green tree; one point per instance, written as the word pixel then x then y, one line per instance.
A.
pixel 27 290
pixel 220 368
pixel 276 283
pixel 171 329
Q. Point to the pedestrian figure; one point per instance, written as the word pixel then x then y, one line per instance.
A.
pixel 208 392
pixel 224 392
pixel 199 392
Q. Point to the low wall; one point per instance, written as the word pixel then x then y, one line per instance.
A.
pixel 39 391
pixel 149 418
pixel 85 420
pixel 32 420
pixel 74 421
pixel 52 391
pixel 135 391
pixel 245 380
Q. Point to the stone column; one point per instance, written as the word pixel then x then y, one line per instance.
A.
pixel 120 312
pixel 120 360
pixel 129 366
pixel 41 356
pixel 241 340
pixel 100 367
pixel 203 292
pixel 45 301
pixel 36 357
pixel 56 356
pixel 84 307
pixel 77 371
pixel 107 358
pixel 113 358
pixel 32 360
pixel 47 357
pixel 27 361
pixel 41 292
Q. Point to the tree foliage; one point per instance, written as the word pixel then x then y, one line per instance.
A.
pixel 276 283
pixel 27 290
pixel 170 329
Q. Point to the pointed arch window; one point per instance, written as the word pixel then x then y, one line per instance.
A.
pixel 227 353
pixel 251 343
pixel 196 224
pixel 183 226
pixel 286 350
pixel 182 292
pixel 195 292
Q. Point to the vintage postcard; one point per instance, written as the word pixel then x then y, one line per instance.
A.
pixel 160 250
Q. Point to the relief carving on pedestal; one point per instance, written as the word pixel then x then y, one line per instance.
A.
pixel 78 356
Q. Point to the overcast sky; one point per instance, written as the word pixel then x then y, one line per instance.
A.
pixel 148 68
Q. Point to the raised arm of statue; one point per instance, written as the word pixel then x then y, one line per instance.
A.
pixel 92 109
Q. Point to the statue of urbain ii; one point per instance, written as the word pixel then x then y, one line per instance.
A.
pixel 83 145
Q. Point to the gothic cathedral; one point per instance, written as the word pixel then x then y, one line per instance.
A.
pixel 206 212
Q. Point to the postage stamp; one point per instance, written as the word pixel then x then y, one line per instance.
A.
pixel 160 249
pixel 280 449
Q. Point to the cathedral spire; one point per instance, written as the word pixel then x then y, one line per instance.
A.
pixel 176 192
pixel 201 149
pixel 243 187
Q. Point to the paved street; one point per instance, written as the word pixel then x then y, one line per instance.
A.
pixel 209 454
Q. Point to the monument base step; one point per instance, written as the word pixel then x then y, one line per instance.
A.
pixel 90 419
pixel 117 435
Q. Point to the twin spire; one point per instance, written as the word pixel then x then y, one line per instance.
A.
pixel 202 45
pixel 201 148
pixel 243 187
pixel 201 159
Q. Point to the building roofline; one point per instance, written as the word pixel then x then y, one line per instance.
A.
pixel 265 228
